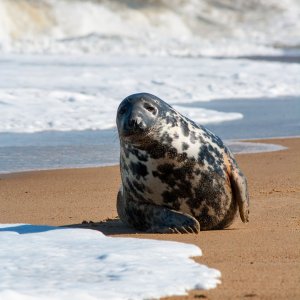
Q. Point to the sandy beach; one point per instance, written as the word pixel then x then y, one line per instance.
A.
pixel 258 260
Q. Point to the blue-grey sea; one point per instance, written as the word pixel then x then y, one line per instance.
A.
pixel 263 118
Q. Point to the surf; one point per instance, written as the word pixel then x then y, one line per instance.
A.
pixel 169 28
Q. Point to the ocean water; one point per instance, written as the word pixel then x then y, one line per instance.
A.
pixel 262 117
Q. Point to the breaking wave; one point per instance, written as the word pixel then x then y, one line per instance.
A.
pixel 151 27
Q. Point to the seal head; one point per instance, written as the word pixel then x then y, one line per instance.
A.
pixel 137 116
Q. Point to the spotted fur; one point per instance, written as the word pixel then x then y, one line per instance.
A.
pixel 177 176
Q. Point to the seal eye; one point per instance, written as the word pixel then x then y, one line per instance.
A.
pixel 122 110
pixel 150 108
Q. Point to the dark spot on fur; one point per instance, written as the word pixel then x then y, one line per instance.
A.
pixel 170 200
pixel 193 137
pixel 156 149
pixel 213 158
pixel 206 155
pixel 217 152
pixel 162 173
pixel 139 155
pixel 170 119
pixel 185 146
pixel 166 138
pixel 172 152
pixel 197 172
pixel 184 127
pixel 182 157
pixel 138 169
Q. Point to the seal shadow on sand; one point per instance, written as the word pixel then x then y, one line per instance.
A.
pixel 114 227
pixel 107 227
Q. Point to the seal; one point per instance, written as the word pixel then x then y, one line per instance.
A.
pixel 177 176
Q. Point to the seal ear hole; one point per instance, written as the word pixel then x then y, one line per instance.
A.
pixel 150 108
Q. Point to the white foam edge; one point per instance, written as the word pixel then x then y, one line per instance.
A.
pixel 245 147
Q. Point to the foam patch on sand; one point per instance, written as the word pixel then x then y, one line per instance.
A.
pixel 42 262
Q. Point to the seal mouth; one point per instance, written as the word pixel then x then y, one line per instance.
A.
pixel 135 136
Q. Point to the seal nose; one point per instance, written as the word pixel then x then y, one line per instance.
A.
pixel 135 123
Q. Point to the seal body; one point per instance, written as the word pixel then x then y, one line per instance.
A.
pixel 177 176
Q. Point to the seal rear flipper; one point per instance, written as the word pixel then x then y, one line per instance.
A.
pixel 154 218
pixel 240 193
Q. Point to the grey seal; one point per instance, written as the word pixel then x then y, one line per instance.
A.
pixel 177 176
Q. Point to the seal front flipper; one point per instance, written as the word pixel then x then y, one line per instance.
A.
pixel 165 220
pixel 240 193
pixel 153 218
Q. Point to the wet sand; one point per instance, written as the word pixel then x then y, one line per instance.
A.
pixel 258 260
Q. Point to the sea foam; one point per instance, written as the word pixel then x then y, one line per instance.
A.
pixel 167 28
pixel 43 262
pixel 40 93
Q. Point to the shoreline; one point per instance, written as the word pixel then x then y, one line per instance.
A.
pixel 258 260
pixel 263 118
pixel 235 143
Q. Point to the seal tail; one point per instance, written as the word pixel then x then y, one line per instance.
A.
pixel 240 193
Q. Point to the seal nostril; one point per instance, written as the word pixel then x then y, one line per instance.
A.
pixel 135 124
pixel 131 123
